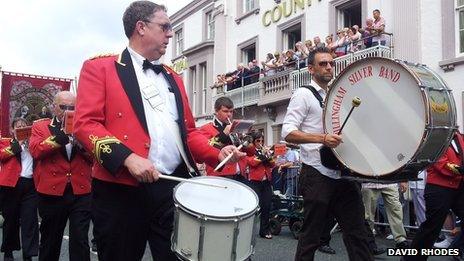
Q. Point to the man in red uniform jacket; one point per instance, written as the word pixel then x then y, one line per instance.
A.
pixel 217 133
pixel 133 115
pixel 19 197
pixel 444 190
pixel 62 178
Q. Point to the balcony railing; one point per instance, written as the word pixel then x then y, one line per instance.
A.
pixel 377 51
pixel 279 87
pixel 246 96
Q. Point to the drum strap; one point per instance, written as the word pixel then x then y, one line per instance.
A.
pixel 316 94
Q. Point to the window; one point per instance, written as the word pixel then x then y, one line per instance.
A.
pixel 179 38
pixel 248 54
pixel 209 25
pixel 248 6
pixel 204 83
pixel 193 91
pixel 460 22
pixel 291 36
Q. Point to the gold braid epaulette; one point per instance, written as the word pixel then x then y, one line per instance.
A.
pixel 39 120
pixel 101 145
pixel 102 55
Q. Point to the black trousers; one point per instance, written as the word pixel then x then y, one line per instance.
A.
pixel 264 191
pixel 340 198
pixel 20 210
pixel 326 237
pixel 126 217
pixel 55 212
pixel 438 201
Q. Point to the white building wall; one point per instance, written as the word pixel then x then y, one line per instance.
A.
pixel 193 29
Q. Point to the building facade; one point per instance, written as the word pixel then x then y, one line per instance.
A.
pixel 213 37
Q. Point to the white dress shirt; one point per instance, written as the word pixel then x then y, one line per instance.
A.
pixel 26 163
pixel 304 113
pixel 163 149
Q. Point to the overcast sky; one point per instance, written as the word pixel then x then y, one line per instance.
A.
pixel 54 37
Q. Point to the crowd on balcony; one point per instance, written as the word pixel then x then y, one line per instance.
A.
pixel 348 40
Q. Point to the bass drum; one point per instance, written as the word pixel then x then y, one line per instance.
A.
pixel 406 119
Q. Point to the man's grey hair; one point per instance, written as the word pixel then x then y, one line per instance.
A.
pixel 139 11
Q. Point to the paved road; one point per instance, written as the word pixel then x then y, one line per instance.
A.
pixel 280 248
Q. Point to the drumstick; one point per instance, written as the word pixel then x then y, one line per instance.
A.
pixel 161 176
pixel 354 103
pixel 224 161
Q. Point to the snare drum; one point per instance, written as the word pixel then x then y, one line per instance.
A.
pixel 405 121
pixel 214 223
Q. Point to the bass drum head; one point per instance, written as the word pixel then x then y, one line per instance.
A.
pixel 384 133
pixel 233 201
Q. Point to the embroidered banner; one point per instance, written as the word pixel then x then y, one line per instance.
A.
pixel 28 96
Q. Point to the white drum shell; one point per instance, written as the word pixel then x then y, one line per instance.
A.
pixel 218 238
pixel 201 236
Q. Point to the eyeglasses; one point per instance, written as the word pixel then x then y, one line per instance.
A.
pixel 66 107
pixel 324 63
pixel 167 27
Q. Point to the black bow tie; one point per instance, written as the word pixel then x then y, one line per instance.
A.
pixel 157 68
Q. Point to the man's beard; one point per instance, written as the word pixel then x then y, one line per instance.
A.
pixel 323 78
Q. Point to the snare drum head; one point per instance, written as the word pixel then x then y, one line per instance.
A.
pixel 235 200
pixel 386 130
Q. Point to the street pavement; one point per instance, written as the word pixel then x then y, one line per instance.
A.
pixel 280 248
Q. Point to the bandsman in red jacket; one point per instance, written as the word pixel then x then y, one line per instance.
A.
pixel 217 133
pixel 444 190
pixel 19 206
pixel 62 178
pixel 133 115
pixel 260 175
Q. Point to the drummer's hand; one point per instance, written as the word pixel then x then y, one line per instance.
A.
pixel 237 154
pixel 332 140
pixel 141 169
pixel 403 187
pixel 227 129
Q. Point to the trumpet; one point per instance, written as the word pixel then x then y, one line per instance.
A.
pixel 264 152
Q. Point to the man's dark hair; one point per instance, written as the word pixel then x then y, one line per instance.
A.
pixel 256 135
pixel 223 101
pixel 17 119
pixel 139 11
pixel 376 10
pixel 313 53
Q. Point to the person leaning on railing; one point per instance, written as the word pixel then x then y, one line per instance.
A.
pixel 290 61
pixel 254 71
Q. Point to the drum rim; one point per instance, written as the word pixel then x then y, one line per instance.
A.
pixel 211 217
pixel 424 100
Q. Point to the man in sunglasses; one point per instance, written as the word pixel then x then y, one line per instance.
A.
pixel 62 178
pixel 324 193
pixel 133 114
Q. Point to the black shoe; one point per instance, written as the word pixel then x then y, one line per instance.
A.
pixel 8 256
pixel 94 246
pixel 27 258
pixel 402 244
pixel 326 249
pixel 378 251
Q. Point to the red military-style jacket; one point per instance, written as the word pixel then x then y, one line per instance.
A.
pixel 439 174
pixel 212 134
pixel 10 164
pixel 110 119
pixel 258 169
pixel 53 170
